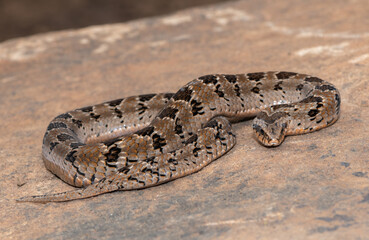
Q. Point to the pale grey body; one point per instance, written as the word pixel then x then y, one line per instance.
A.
pixel 142 141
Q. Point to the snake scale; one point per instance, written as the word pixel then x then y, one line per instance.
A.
pixel 142 141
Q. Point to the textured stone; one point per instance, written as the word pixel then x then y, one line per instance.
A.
pixel 314 186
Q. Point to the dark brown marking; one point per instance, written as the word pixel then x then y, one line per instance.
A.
pixel 178 128
pixel 313 112
pixel 146 97
pixel 64 137
pixel 76 145
pixel 168 95
pixel 118 112
pixel 86 109
pixel 113 154
pixel 53 145
pixel 285 75
pixel 93 178
pixel 168 112
pixel 196 151
pixel 64 116
pixel 209 79
pixel 77 122
pixel 56 125
pixel 132 160
pixel 150 160
pixel 212 124
pixel 158 142
pixel 255 90
pixel 79 172
pixel 124 170
pixel 275 107
pixel 183 94
pixel 326 87
pixel 115 103
pixel 299 87
pixel 231 78
pixel 237 90
pixel 278 86
pixel 93 115
pixel 256 76
pixel 142 108
pixel 338 100
pixel 147 131
pixel 75 178
pixel 312 99
pixel 70 156
pixel 219 92
pixel 173 161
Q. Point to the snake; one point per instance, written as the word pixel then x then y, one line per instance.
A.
pixel 146 140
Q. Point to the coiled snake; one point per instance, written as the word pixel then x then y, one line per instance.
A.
pixel 146 140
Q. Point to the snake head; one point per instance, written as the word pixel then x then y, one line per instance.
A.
pixel 270 130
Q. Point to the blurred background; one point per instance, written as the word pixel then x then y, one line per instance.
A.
pixel 26 17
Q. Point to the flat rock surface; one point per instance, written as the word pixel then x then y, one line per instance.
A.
pixel 314 186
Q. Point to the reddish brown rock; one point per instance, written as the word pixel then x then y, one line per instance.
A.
pixel 314 186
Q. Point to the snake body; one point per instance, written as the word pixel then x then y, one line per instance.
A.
pixel 146 140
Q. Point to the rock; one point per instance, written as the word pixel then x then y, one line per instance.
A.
pixel 314 186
